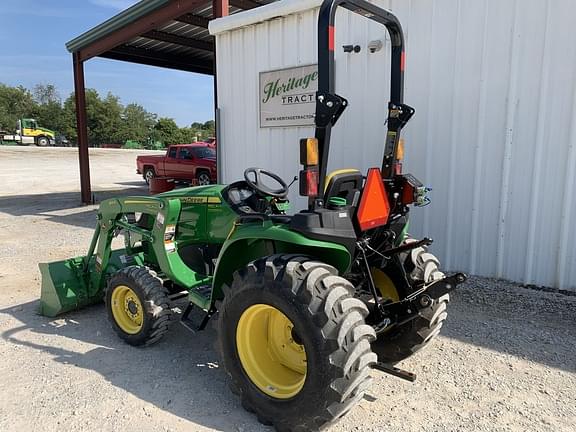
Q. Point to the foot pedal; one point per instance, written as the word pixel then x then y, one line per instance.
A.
pixel 195 318
pixel 392 370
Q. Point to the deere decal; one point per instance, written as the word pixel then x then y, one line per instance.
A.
pixel 287 96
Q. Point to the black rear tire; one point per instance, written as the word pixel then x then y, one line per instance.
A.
pixel 331 327
pixel 156 315
pixel 401 342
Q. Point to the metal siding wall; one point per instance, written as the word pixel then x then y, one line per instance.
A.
pixel 494 87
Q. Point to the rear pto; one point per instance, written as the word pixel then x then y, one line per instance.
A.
pixel 306 305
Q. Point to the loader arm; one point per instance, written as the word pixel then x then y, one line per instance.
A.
pixel 80 281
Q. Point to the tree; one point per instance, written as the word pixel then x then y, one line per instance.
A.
pixel 210 127
pixel 49 110
pixel 45 94
pixel 15 103
pixel 108 121
pixel 94 118
pixel 166 131
pixel 201 131
pixel 137 124
pixel 69 119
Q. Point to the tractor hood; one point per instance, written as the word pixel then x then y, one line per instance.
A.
pixel 196 191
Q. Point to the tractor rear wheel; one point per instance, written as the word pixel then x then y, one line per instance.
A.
pixel 294 342
pixel 138 306
pixel 403 341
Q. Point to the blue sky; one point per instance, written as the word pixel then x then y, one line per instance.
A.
pixel 32 51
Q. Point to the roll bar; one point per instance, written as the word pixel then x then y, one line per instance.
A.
pixel 329 106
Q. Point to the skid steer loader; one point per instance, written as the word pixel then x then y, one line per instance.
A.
pixel 305 305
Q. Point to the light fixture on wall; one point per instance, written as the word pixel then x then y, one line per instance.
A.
pixel 375 46
pixel 352 48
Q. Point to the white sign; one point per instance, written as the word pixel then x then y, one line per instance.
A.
pixel 287 97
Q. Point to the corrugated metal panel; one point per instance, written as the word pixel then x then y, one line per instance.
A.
pixel 494 88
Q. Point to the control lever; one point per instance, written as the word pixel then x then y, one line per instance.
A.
pixel 294 180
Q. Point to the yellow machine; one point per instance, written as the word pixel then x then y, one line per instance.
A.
pixel 28 132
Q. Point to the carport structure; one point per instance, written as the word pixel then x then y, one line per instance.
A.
pixel 171 34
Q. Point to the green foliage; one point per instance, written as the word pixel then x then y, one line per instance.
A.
pixel 108 121
pixel 202 131
pixel 136 123
pixel 132 145
pixel 15 103
pixel 166 131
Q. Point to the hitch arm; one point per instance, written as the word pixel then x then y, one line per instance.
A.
pixel 394 371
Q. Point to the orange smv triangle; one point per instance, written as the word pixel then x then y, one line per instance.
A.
pixel 374 208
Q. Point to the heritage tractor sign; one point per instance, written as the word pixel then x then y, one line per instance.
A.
pixel 287 96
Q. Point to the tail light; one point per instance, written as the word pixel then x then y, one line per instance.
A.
pixel 309 182
pixel 309 175
pixel 309 151
pixel 399 157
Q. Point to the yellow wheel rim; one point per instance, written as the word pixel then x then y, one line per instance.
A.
pixel 271 353
pixel 385 285
pixel 127 309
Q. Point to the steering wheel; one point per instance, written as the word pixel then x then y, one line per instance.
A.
pixel 259 186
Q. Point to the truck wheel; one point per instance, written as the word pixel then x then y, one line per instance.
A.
pixel 401 342
pixel 293 340
pixel 149 174
pixel 203 178
pixel 42 141
pixel 138 305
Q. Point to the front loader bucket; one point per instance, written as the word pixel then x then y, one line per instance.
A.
pixel 65 287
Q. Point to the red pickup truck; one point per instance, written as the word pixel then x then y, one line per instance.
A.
pixel 187 162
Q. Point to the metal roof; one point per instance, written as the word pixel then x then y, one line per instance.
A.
pixel 166 33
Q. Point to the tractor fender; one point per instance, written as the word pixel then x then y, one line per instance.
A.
pixel 248 242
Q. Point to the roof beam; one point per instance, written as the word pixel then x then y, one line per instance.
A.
pixel 179 40
pixel 145 24
pixel 195 20
pixel 245 4
pixel 152 58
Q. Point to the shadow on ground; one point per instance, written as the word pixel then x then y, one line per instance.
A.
pixel 179 375
pixel 62 207
pixel 183 372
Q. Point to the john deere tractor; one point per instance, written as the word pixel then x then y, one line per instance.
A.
pixel 305 305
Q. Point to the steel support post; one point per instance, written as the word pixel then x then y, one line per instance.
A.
pixel 84 159
pixel 219 9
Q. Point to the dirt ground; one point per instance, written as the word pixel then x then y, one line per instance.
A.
pixel 505 361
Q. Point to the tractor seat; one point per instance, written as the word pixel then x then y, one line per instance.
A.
pixel 344 183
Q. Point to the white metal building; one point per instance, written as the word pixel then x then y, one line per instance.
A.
pixel 493 83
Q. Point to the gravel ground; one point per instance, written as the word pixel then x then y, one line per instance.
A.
pixel 505 360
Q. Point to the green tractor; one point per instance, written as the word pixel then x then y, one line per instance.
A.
pixel 305 305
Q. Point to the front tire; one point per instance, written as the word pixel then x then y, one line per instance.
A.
pixel 138 306
pixel 294 342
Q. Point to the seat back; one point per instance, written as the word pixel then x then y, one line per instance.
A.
pixel 344 183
